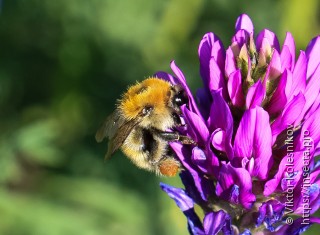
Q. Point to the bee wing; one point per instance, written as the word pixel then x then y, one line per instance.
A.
pixel 120 136
pixel 116 129
pixel 109 127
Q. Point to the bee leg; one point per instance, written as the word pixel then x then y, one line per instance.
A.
pixel 186 140
pixel 174 136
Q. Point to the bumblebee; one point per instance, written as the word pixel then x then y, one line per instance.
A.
pixel 140 125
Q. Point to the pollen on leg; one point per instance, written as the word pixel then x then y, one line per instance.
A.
pixel 169 167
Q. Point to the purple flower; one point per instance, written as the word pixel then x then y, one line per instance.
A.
pixel 257 127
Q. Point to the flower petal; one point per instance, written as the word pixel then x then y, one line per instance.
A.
pixel 307 194
pixel 253 139
pixel 166 76
pixel 218 139
pixel 204 102
pixel 212 62
pixel 315 197
pixel 312 53
pixel 270 212
pixel 240 38
pixel 190 187
pixel 220 114
pixel 216 79
pixel 286 58
pixel 270 36
pixel 215 222
pixel 288 53
pixel 299 75
pixel 279 98
pixel 229 177
pixel 289 172
pixel 244 22
pixel 185 203
pixel 297 227
pixel 311 131
pixel 223 120
pixel 290 115
pixel 192 104
pixel 230 66
pixel 247 232
pixel 244 136
pixel 274 66
pixel 314 107
pixel 203 185
pixel 198 129
pixel 210 47
pixel 312 89
pixel 255 95
pixel 199 158
pixel 235 89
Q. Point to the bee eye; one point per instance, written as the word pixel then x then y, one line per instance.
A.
pixel 180 98
pixel 147 110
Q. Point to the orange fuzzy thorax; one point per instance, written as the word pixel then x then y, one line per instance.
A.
pixel 150 92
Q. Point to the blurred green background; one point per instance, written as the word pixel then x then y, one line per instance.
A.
pixel 63 64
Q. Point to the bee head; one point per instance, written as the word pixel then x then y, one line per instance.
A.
pixel 178 97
